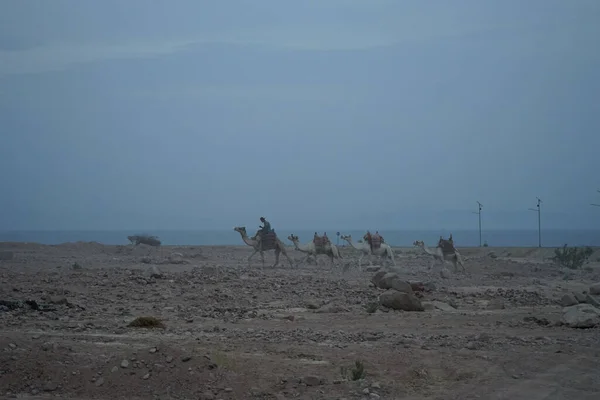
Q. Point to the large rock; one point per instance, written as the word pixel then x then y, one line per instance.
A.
pixel 592 300
pixel 400 301
pixel 581 316
pixel 154 272
pixel 579 296
pixel 376 279
pixel 568 300
pixel 393 281
pixel 595 289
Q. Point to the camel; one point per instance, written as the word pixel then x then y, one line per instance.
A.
pixel 384 250
pixel 312 250
pixel 278 246
pixel 438 255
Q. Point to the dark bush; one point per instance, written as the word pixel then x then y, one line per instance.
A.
pixel 572 257
pixel 144 239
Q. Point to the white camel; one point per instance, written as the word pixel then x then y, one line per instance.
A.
pixel 384 251
pixel 312 250
pixel 278 246
pixel 438 255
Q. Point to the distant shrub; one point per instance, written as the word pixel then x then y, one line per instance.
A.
pixel 146 322
pixel 144 239
pixel 572 257
pixel 485 244
pixel 356 373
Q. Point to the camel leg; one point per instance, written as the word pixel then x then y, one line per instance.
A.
pixel 277 251
pixel 262 256
pixel 288 257
pixel 251 255
pixel 391 254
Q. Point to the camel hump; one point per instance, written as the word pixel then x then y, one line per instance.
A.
pixel 376 241
pixel 447 246
pixel 321 241
pixel 268 240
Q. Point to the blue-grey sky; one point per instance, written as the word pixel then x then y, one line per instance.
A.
pixel 188 114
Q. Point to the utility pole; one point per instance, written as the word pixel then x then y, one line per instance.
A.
pixel 479 213
pixel 593 204
pixel 539 201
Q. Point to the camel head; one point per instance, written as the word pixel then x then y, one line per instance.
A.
pixel 346 237
pixel 418 243
pixel 240 229
pixel 293 238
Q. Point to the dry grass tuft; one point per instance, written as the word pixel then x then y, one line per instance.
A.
pixel 146 322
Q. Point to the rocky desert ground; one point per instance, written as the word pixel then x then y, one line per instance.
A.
pixel 514 326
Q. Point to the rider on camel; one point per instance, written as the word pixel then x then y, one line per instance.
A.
pixel 266 228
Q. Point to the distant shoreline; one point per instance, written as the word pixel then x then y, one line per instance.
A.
pixel 551 238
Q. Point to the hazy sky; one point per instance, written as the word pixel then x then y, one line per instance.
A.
pixel 327 113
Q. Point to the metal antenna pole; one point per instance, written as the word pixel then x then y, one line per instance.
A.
pixel 479 213
pixel 539 201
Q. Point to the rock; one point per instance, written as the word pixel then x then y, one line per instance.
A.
pixel 186 358
pixel 491 254
pixel 400 301
pixel 445 273
pixel 579 296
pixel 595 289
pixel 311 304
pixel 393 281
pixel 417 286
pixel 429 286
pixel 154 272
pixel 146 260
pixel 125 364
pixel 99 382
pixel 207 396
pixel 376 279
pixel 440 305
pixel 311 380
pixel 581 316
pixel 495 304
pixel 589 299
pixel 373 268
pixel 146 376
pixel 58 300
pixel 568 300
pixel 332 308
pixel 50 387
pixel 472 346
pixel 114 369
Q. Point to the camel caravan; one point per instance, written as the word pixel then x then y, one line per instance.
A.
pixel 266 239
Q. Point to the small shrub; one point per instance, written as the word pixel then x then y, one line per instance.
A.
pixel 372 307
pixel 222 361
pixel 485 244
pixel 146 322
pixel 572 257
pixel 144 239
pixel 356 373
pixel 76 266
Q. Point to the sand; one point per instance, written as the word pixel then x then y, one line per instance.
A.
pixel 239 332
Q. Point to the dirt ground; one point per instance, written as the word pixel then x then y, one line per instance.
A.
pixel 234 331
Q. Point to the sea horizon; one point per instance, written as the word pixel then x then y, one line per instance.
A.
pixel 395 237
